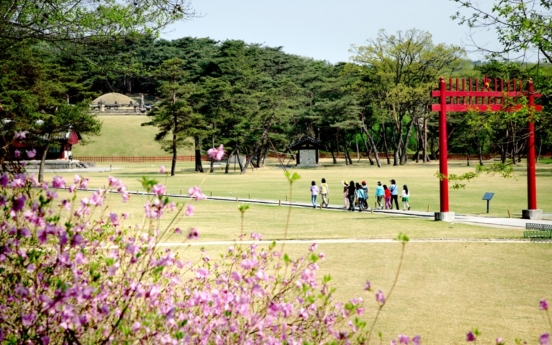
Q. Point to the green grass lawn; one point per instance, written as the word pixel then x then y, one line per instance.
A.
pixel 445 289
pixel 124 136
pixel 270 183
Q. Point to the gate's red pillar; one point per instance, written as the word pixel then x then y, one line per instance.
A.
pixel 531 159
pixel 443 150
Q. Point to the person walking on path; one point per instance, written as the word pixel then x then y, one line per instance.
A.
pixel 379 195
pixel 387 194
pixel 394 194
pixel 324 191
pixel 345 194
pixel 361 198
pixel 366 195
pixel 351 192
pixel 405 196
pixel 314 193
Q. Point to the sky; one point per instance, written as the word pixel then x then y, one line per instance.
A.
pixel 325 29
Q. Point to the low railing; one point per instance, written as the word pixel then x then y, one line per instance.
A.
pixel 136 159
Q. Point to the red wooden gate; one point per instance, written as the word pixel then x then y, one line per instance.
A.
pixel 463 95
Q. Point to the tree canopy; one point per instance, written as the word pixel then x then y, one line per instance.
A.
pixel 520 24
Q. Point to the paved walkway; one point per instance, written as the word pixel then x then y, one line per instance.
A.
pixel 459 218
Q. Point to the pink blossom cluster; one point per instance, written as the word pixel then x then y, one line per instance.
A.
pixel 73 275
pixel 216 154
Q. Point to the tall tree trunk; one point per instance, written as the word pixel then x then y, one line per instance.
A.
pixel 261 141
pixel 368 150
pixel 404 151
pixel 480 153
pixel 173 148
pixel 228 161
pixel 418 145
pixel 198 164
pixel 434 150
pixel 424 142
pixel 337 145
pixel 386 147
pixel 373 145
pixel 539 150
pixel 347 154
pixel 43 160
pixel 238 157
pixel 357 148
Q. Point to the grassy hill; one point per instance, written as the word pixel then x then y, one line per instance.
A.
pixel 124 136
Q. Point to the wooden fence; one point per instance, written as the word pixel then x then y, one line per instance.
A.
pixel 191 158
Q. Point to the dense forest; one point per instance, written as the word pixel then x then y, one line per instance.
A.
pixel 257 99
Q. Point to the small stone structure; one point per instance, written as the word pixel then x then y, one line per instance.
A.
pixel 114 103
pixel 307 151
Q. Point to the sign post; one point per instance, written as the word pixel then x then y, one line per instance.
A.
pixel 488 196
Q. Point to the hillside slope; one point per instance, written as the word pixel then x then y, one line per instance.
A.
pixel 124 136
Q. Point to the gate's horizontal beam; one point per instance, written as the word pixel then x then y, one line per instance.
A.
pixel 478 107
pixel 454 93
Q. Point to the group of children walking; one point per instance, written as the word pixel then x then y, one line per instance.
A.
pixel 356 195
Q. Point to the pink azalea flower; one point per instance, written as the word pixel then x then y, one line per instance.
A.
pixel 162 170
pixel 367 286
pixel 31 154
pixel 28 319
pixel 543 305
pixel 216 154
pixel 189 211
pixel 113 182
pixel 76 240
pixel 235 276
pixel 84 182
pixel 193 234
pixel 17 154
pixel 4 180
pixel 380 297
pixel 470 337
pixel 256 236
pixel 545 339
pixel 202 273
pixel 417 340
pixel 114 218
pixel 177 231
pixel 20 135
pixel 42 236
pixel 58 182
pixel 19 203
pixel 404 339
pixel 159 190
pixel 196 194
pixel 499 341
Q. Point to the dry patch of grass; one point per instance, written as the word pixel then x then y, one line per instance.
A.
pixel 444 289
